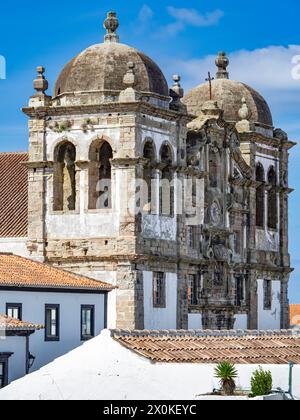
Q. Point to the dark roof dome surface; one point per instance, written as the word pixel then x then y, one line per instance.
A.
pixel 102 67
pixel 230 96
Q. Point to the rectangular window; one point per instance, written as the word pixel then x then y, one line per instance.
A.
pixel 159 290
pixel 195 288
pixel 240 295
pixel 14 310
pixel 87 322
pixel 192 237
pixel 267 295
pixel 2 374
pixel 52 323
pixel 4 369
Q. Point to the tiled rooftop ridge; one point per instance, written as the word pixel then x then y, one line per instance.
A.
pixel 203 333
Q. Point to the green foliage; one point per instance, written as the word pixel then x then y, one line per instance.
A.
pixel 227 374
pixel 62 128
pixel 261 383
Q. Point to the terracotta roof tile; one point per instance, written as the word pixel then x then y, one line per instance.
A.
pixel 12 324
pixel 210 347
pixel 13 195
pixel 17 271
pixel 295 314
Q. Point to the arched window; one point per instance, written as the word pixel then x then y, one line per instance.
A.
pixel 214 169
pixel 272 199
pixel 64 177
pixel 100 175
pixel 260 196
pixel 166 184
pixel 149 153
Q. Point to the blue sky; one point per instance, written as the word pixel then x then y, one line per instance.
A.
pixel 261 38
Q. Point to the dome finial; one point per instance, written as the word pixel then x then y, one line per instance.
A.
pixel 129 78
pixel 111 24
pixel 244 110
pixel 40 84
pixel 222 62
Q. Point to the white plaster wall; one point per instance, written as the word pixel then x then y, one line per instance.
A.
pixel 267 240
pixel 195 322
pixel 269 320
pixel 84 224
pixel 160 318
pixel 33 310
pixel 102 369
pixel 159 227
pixel 241 322
pixel 111 278
pixel 81 140
pixel 16 246
pixel 17 362
pixel 160 136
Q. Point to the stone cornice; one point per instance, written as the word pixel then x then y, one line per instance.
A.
pixel 114 107
pixel 38 164
pixel 254 137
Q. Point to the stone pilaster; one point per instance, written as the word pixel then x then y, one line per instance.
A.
pixel 253 302
pixel 285 305
pixel 130 297
pixel 36 189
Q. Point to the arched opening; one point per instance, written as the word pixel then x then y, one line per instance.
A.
pixel 260 196
pixel 149 154
pixel 100 175
pixel 64 177
pixel 272 199
pixel 166 183
pixel 214 169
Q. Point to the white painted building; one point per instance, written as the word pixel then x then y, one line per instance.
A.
pixel 72 308
pixel 15 356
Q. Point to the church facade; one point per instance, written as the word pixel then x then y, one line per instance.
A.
pixel 181 202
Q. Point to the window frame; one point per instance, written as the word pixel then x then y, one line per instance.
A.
pixel 194 288
pixel 49 306
pixel 17 306
pixel 4 361
pixel 267 287
pixel 240 291
pixel 162 303
pixel 83 336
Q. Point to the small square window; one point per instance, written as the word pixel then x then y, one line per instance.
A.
pixel 87 322
pixel 14 310
pixel 52 323
pixel 159 290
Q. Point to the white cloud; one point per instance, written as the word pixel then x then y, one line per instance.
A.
pixel 146 13
pixel 267 68
pixel 193 17
pixel 184 17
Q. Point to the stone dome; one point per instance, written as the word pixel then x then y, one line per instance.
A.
pixel 102 67
pixel 230 95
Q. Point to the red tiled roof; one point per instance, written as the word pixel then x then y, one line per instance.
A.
pixel 13 195
pixel 295 314
pixel 12 324
pixel 211 347
pixel 17 271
